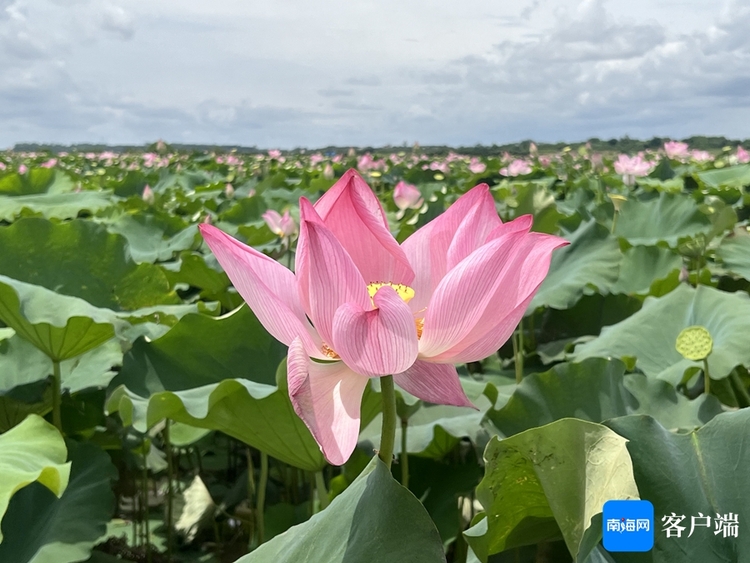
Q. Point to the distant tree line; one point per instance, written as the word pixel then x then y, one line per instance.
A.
pixel 623 144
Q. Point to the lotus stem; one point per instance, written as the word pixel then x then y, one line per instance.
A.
pixel 404 454
pixel 706 377
pixel 260 499
pixel 320 488
pixel 388 430
pixel 518 352
pixel 170 487
pixel 56 395
pixel 614 221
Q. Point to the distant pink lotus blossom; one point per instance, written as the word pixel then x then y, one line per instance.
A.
pixel 476 166
pixel 149 159
pixel 533 151
pixel 407 196
pixel 276 154
pixel 743 156
pixel 701 156
pixel 336 158
pixel 232 160
pixel 148 195
pixel 281 225
pixel 328 172
pixel 316 159
pixel 518 167
pixel 367 162
pixel 229 191
pixel 439 166
pixel 51 163
pixel 360 305
pixel 676 150
pixel 2 166
pixel 632 167
pixel 23 169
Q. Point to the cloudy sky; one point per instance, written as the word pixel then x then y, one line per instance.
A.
pixel 294 73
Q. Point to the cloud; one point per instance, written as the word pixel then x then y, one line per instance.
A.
pixel 85 70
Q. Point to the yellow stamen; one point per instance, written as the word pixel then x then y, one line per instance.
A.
pixel 329 353
pixel 420 326
pixel 404 291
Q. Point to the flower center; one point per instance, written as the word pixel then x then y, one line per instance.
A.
pixel 404 291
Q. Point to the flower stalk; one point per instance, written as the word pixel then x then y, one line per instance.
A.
pixel 388 430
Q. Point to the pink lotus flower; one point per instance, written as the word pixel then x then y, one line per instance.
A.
pixel 632 167
pixel 518 167
pixel 476 166
pixel 2 166
pixel 148 195
pixel 676 150
pixel 49 164
pixel 316 158
pixel 367 162
pixel 701 156
pixel 743 156
pixel 274 153
pixel 360 306
pixel 229 191
pixel 283 226
pixel 23 169
pixel 407 196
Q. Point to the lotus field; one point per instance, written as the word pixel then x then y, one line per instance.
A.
pixel 376 356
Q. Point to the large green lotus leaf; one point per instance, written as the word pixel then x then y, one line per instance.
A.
pixel 668 218
pixel 54 206
pixel 32 451
pixel 217 374
pixel 650 334
pixel 41 528
pixel 643 265
pixel 60 326
pixel 704 471
pixel 596 390
pixel 590 264
pixel 375 519
pixel 731 177
pixel 547 482
pixel 35 181
pixel 22 363
pixel 147 239
pixel 81 259
pixel 734 252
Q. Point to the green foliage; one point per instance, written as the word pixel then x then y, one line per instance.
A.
pixel 374 519
pixel 160 366
pixel 31 452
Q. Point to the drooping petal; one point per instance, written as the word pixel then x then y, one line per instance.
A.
pixel 327 397
pixel 327 277
pixel 427 249
pixel 269 289
pixel 355 216
pixel 434 383
pixel 474 306
pixel 376 342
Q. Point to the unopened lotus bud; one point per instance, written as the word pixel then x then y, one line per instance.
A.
pixel 148 195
